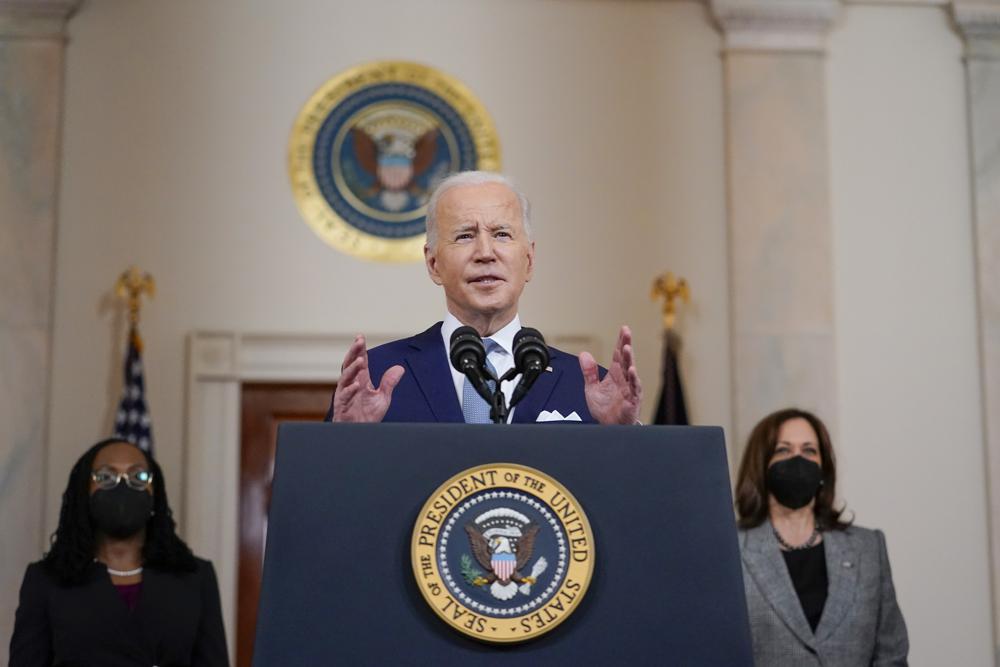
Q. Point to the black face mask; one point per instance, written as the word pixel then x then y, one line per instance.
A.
pixel 120 512
pixel 795 481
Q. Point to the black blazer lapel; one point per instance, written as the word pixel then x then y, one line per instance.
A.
pixel 842 577
pixel 767 566
pixel 155 592
pixel 428 362
pixel 130 639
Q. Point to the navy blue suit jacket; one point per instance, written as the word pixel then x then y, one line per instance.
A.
pixel 426 392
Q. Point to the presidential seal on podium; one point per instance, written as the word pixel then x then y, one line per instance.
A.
pixel 502 552
pixel 371 144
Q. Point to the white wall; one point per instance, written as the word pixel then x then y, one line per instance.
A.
pixel 911 441
pixel 178 115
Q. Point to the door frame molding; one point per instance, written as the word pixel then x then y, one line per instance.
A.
pixel 218 363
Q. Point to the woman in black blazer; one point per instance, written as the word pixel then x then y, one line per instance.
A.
pixel 118 587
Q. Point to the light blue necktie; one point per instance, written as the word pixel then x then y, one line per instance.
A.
pixel 475 408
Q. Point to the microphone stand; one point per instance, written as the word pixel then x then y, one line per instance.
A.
pixel 499 410
pixel 498 402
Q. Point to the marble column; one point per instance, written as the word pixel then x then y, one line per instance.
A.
pixel 979 24
pixel 780 239
pixel 32 46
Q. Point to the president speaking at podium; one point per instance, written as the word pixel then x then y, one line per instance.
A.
pixel 479 249
pixel 502 553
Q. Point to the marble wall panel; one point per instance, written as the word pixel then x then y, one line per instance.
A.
pixel 31 75
pixel 779 236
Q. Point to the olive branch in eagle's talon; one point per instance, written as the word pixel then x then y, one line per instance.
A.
pixel 470 573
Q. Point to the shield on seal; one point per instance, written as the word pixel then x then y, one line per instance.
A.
pixel 503 565
pixel 395 171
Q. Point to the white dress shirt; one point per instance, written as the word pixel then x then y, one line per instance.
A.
pixel 502 357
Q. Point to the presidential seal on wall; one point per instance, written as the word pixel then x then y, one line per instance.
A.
pixel 370 145
pixel 502 552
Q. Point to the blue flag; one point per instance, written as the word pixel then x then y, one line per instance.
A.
pixel 132 421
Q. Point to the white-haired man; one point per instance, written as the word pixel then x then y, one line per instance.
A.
pixel 479 249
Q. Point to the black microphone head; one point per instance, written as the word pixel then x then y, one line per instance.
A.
pixel 466 351
pixel 530 350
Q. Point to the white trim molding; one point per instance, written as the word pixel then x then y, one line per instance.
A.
pixel 217 364
pixel 30 19
pixel 900 3
pixel 775 25
pixel 978 21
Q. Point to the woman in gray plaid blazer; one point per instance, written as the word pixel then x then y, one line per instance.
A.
pixel 819 590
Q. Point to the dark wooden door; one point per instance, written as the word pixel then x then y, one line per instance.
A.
pixel 263 407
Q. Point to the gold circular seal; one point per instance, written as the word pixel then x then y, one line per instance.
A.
pixel 371 144
pixel 502 552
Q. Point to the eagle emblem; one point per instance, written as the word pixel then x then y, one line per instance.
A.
pixel 394 160
pixel 502 552
pixel 371 144
pixel 502 541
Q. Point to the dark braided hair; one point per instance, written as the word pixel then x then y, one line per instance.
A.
pixel 74 543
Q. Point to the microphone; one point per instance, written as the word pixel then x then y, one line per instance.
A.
pixel 531 358
pixel 468 356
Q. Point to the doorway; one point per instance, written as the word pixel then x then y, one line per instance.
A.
pixel 263 406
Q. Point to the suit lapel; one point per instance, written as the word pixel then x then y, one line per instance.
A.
pixel 767 566
pixel 842 575
pixel 144 615
pixel 151 592
pixel 538 397
pixel 428 363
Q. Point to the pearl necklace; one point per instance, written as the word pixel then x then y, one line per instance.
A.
pixel 121 573
pixel 811 542
pixel 125 573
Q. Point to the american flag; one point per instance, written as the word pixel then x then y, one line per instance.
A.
pixel 132 422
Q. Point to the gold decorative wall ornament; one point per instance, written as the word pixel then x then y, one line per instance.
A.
pixel 130 286
pixel 371 144
pixel 670 288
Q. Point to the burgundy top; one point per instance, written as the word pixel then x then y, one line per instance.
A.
pixel 130 594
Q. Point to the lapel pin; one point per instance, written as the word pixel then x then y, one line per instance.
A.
pixel 848 563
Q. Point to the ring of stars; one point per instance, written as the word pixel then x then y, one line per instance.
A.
pixel 457 590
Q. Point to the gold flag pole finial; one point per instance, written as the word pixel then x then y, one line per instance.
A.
pixel 669 287
pixel 131 285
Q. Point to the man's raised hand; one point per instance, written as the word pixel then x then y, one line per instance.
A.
pixel 617 398
pixel 356 399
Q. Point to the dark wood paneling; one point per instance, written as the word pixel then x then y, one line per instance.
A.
pixel 263 407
